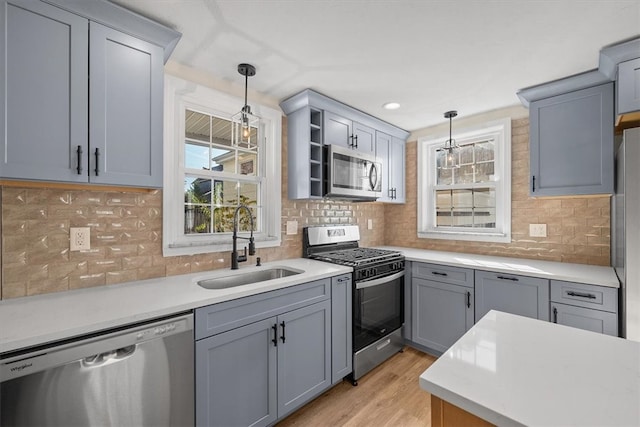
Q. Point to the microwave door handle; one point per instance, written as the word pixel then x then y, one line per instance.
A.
pixel 380 281
pixel 373 176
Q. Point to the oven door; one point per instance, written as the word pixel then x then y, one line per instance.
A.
pixel 378 309
pixel 352 174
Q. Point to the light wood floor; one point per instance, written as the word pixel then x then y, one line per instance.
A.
pixel 387 396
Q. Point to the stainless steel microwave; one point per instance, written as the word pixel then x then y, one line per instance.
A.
pixel 352 174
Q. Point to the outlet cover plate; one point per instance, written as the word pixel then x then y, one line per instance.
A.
pixel 292 227
pixel 79 238
pixel 537 230
pixel 369 224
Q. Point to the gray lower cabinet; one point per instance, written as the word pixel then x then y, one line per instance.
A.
pixel 521 295
pixel 442 304
pixel 571 143
pixel 259 358
pixel 82 102
pixel 341 328
pixel 628 86
pixel 590 307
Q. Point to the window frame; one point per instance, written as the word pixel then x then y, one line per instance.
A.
pixel 500 131
pixel 181 95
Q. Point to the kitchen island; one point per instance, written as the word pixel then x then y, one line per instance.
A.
pixel 512 370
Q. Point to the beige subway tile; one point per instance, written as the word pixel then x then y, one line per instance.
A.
pixel 14 290
pixel 59 270
pixel 113 277
pixel 122 250
pixel 38 287
pixel 132 262
pixel 599 202
pixel 151 272
pixel 105 265
pixel 177 269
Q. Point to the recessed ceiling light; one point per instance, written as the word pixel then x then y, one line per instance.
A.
pixel 391 106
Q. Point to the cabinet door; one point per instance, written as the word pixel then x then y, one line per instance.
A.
pixel 525 296
pixel 304 359
pixel 583 318
pixel 125 110
pixel 43 115
pixel 383 144
pixel 571 142
pixel 396 166
pixel 364 139
pixel 628 86
pixel 236 377
pixel 341 324
pixel 337 130
pixel 441 312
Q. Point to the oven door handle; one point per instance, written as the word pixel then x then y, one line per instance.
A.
pixel 380 281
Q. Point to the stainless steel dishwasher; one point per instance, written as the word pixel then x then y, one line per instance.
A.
pixel 135 376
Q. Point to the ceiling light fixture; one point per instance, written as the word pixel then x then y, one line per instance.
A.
pixel 450 153
pixel 391 106
pixel 245 125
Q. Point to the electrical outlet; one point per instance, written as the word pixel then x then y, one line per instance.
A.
pixel 80 238
pixel 537 230
pixel 369 224
pixel 292 227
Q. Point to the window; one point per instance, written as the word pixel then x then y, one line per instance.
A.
pixel 207 177
pixel 472 202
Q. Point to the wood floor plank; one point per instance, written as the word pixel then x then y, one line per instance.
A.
pixel 390 395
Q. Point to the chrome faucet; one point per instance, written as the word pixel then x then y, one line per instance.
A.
pixel 235 258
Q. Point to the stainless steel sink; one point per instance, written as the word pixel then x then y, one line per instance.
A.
pixel 231 281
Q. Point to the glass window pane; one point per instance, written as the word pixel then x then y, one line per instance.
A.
pixel 249 194
pixel 466 154
pixel 484 198
pixel 443 218
pixel 197 219
pixel 248 163
pixel 221 130
pixel 443 200
pixel 197 190
pixel 223 160
pixel 444 176
pixel 464 174
pixel 485 172
pixel 462 217
pixel 197 126
pixel 484 218
pixel 462 198
pixel 484 151
pixel 196 155
pixel 223 219
pixel 225 193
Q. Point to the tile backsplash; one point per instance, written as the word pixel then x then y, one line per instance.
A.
pixel 126 230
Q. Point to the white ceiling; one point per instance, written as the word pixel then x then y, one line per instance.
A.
pixel 430 56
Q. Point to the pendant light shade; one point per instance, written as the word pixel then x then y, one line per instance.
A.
pixel 245 125
pixel 449 154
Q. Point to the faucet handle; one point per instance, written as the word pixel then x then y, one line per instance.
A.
pixel 258 262
pixel 252 246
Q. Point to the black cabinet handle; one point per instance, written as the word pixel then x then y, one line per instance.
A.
pixel 79 152
pixel 282 337
pixel 581 295
pixel 275 334
pixel 351 137
pixel 97 153
pixel 356 141
pixel 343 279
pixel 555 315
pixel 513 279
pixel 533 183
pixel 437 273
pixel 468 299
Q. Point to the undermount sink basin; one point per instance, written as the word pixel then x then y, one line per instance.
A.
pixel 247 278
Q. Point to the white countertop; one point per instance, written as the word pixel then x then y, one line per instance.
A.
pixel 36 320
pixel 512 370
pixel 581 273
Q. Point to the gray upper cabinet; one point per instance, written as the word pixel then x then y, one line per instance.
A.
pixel 628 86
pixel 314 120
pixel 44 110
pixel 571 143
pixel 83 101
pixel 125 121
pixel 524 296
pixel 390 152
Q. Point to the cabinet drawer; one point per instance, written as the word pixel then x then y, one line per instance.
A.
pixel 583 318
pixel 583 295
pixel 217 318
pixel 443 273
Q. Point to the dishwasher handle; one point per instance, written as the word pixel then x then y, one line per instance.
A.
pixel 121 342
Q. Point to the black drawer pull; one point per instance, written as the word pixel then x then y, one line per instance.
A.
pixel 79 153
pixel 555 315
pixel 437 273
pixel 581 295
pixel 275 334
pixel 513 279
pixel 468 299
pixel 282 337
pixel 97 169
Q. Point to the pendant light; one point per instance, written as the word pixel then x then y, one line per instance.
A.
pixel 245 125
pixel 450 152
